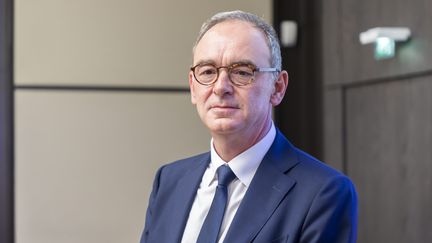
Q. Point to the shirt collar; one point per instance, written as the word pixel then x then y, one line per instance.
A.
pixel 245 164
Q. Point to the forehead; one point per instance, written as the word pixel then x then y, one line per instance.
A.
pixel 233 41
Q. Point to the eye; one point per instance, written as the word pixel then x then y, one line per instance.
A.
pixel 243 71
pixel 206 70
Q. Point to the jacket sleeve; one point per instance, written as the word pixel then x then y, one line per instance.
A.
pixel 150 207
pixel 332 216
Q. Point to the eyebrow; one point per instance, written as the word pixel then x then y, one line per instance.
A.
pixel 209 61
pixel 244 61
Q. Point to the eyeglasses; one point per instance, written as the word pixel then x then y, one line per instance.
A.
pixel 239 74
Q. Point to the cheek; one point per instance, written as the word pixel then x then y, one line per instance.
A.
pixel 259 98
pixel 258 105
pixel 201 97
pixel 200 94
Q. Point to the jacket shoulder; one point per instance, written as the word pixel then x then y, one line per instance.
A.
pixel 314 166
pixel 179 167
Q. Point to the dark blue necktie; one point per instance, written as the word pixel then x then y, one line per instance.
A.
pixel 210 230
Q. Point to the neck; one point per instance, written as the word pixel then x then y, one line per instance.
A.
pixel 229 146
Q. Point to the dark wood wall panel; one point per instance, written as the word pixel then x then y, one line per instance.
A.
pixel 389 155
pixel 331 44
pixel 299 114
pixel 377 119
pixel 6 123
pixel 356 62
pixel 333 137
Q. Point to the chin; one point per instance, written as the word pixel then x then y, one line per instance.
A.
pixel 224 126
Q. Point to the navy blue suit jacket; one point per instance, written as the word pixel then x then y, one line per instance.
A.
pixel 292 198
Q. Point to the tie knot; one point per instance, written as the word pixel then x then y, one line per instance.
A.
pixel 225 175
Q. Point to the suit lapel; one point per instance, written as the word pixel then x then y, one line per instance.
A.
pixel 267 189
pixel 184 196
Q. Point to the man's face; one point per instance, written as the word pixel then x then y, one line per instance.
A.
pixel 223 107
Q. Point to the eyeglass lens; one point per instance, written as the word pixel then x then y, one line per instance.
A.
pixel 238 74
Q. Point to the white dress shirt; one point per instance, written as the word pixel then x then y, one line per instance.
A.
pixel 244 167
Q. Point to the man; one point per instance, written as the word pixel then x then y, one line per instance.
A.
pixel 253 185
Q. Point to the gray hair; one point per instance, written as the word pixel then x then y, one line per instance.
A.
pixel 269 32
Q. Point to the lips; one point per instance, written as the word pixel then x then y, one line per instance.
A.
pixel 223 110
pixel 224 107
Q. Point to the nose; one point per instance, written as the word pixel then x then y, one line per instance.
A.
pixel 223 85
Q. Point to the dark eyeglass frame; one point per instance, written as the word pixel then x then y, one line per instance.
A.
pixel 231 67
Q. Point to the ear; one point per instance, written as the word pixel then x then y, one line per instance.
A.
pixel 192 89
pixel 280 87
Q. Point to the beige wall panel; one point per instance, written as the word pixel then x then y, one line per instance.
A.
pixel 85 161
pixel 112 42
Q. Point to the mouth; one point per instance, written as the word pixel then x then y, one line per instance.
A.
pixel 224 107
pixel 223 110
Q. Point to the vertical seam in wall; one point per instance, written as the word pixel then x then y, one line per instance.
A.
pixel 320 83
pixel 344 132
pixel 339 38
pixel 344 124
pixel 12 119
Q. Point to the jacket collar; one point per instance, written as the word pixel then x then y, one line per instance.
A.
pixel 184 194
pixel 268 187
